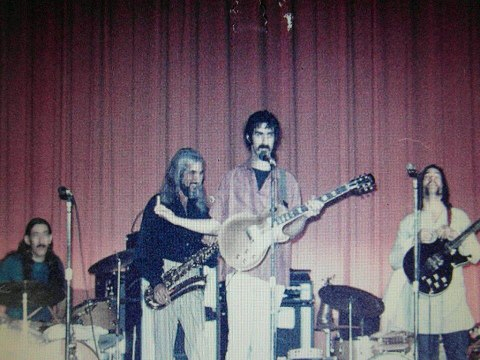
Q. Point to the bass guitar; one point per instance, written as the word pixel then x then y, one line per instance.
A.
pixel 436 262
pixel 244 239
pixel 174 278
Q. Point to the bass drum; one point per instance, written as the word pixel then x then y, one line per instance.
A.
pixel 56 350
pixel 391 356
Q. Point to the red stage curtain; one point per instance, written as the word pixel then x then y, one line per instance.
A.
pixel 98 95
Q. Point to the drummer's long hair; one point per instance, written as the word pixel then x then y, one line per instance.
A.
pixel 55 268
pixel 173 178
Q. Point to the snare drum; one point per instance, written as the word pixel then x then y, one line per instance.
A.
pixel 391 356
pixel 97 312
pixel 393 342
pixel 362 348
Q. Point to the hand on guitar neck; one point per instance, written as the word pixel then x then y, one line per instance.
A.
pixel 313 208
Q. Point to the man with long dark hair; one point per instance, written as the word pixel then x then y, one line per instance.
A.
pixel 35 260
pixel 445 314
pixel 163 246
pixel 248 188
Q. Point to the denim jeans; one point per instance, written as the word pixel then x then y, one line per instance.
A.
pixel 455 345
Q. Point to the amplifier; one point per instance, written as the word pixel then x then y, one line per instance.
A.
pixel 295 320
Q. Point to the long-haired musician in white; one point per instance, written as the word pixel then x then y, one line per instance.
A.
pixel 163 247
pixel 247 189
pixel 443 309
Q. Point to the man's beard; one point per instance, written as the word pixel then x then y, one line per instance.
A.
pixel 427 193
pixel 191 192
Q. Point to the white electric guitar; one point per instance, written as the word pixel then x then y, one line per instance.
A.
pixel 244 239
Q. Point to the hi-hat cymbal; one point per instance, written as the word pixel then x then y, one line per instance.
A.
pixel 363 303
pixel 40 294
pixel 110 263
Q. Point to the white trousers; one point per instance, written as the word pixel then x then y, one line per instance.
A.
pixel 159 327
pixel 249 316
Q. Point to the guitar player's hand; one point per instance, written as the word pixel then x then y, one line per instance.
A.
pixel 426 236
pixel 446 232
pixel 161 295
pixel 209 239
pixel 314 207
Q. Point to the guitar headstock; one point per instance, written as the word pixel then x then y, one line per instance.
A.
pixel 363 184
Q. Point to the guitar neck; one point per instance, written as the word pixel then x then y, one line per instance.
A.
pixel 454 244
pixel 298 211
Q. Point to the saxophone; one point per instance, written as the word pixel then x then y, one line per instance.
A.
pixel 173 278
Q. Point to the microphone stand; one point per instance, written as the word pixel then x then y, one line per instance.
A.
pixel 416 254
pixel 117 313
pixel 273 277
pixel 68 277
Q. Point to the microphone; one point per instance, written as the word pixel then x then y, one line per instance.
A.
pixel 411 171
pixel 264 156
pixel 64 193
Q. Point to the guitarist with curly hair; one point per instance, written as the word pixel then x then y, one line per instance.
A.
pixel 247 189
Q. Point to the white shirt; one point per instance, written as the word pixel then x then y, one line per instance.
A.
pixel 439 314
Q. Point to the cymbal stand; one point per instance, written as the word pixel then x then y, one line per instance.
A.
pixel 24 313
pixel 328 342
pixel 117 315
pixel 350 332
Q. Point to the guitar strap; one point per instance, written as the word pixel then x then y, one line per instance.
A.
pixel 449 216
pixel 282 187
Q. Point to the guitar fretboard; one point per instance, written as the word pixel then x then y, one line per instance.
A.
pixel 459 240
pixel 298 211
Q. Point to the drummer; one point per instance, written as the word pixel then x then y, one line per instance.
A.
pixel 34 260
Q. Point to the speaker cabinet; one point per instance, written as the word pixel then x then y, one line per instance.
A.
pixel 295 320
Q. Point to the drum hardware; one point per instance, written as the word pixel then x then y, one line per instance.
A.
pixel 115 264
pixel 340 297
pixel 394 341
pixel 305 354
pixel 110 263
pixel 22 293
pixel 56 349
pixel 355 301
pixel 390 356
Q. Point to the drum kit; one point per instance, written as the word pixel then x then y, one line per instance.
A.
pixel 358 342
pixel 95 322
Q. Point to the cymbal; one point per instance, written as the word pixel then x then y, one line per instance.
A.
pixel 363 303
pixel 110 263
pixel 40 294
